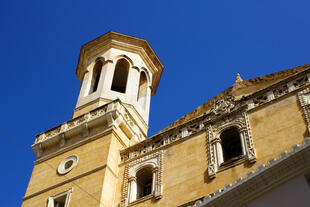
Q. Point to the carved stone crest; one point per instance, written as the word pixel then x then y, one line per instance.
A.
pixel 223 106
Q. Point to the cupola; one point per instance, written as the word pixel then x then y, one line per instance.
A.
pixel 117 66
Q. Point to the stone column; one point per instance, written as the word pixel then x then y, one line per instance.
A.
pixel 132 189
pixel 107 73
pixel 219 151
pixel 133 80
pixel 86 81
pixel 243 144
pixel 148 102
pixel 154 180
pixel 156 185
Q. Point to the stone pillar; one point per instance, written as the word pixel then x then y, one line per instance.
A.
pixel 132 189
pixel 86 81
pixel 133 80
pixel 154 180
pixel 219 151
pixel 148 102
pixel 107 73
pixel 243 144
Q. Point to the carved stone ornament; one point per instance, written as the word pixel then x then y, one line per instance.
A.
pixel 304 100
pixel 154 161
pixel 214 130
pixel 223 106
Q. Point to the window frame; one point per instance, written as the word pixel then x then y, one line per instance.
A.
pixel 119 61
pixel 153 161
pixel 215 152
pixel 51 199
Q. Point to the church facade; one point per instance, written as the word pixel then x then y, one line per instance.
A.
pixel 248 146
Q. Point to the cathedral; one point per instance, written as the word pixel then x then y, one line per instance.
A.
pixel 248 146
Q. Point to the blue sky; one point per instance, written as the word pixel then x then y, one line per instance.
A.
pixel 202 44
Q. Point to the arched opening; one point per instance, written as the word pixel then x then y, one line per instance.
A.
pixel 144 182
pixel 95 77
pixel 231 144
pixel 142 93
pixel 120 76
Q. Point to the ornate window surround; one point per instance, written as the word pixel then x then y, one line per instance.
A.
pixel 226 114
pixel 304 100
pixel 130 181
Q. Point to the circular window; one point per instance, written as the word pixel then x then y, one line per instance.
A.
pixel 67 164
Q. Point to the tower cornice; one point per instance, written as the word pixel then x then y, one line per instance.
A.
pixel 79 129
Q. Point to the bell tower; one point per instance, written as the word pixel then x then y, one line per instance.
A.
pixel 78 161
pixel 117 66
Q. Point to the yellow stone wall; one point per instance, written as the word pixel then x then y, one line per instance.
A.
pixel 275 127
pixel 92 155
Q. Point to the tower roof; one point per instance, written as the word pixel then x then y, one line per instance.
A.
pixel 123 42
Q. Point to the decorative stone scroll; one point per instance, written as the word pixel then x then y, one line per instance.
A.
pixel 214 129
pixel 220 108
pixel 223 106
pixel 279 91
pixel 304 100
pixel 130 180
pixel 172 137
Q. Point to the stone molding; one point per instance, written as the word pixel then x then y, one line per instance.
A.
pixel 223 106
pixel 265 178
pixel 63 169
pixel 214 129
pixel 290 85
pixel 67 193
pixel 112 114
pixel 155 161
pixel 304 100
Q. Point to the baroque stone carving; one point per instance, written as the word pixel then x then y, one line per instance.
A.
pixel 304 100
pixel 152 160
pixel 279 91
pixel 241 122
pixel 170 138
pixel 223 106
pixel 61 133
pixel 265 176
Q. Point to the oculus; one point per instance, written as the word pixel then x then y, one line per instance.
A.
pixel 67 164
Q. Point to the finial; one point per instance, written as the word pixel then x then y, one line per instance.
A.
pixel 238 78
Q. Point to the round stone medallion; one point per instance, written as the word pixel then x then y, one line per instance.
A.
pixel 67 164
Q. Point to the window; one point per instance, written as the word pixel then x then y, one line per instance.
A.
pixel 142 93
pixel 229 139
pixel 120 76
pixel 95 77
pixel 231 144
pixel 144 182
pixel 59 200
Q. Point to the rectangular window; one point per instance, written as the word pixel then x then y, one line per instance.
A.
pixel 59 200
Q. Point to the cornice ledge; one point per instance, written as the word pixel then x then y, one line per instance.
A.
pixel 112 114
pixel 265 178
pixel 267 95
